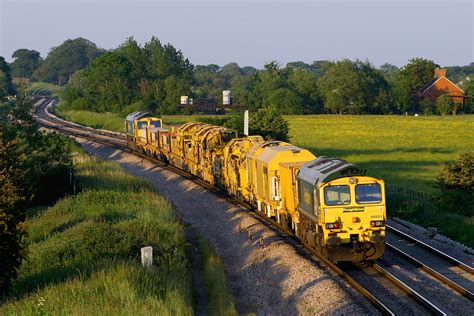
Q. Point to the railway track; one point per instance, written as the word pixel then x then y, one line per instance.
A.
pixel 441 266
pixel 387 293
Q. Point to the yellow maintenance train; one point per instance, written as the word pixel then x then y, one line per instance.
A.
pixel 330 204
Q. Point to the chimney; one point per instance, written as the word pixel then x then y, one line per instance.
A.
pixel 439 72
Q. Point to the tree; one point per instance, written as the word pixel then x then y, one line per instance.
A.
pixel 64 60
pixel 305 84
pixel 34 169
pixel 155 74
pixel 456 186
pixel 269 123
pixel 388 69
pixel 444 104
pixel 409 81
pixel 352 87
pixel 25 63
pixel 469 106
pixel 6 86
pixel 285 101
pixel 427 106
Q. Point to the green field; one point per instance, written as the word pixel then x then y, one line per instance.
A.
pixel 405 151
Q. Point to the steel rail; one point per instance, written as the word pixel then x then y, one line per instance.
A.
pixel 431 249
pixel 403 286
pixel 334 268
pixel 455 286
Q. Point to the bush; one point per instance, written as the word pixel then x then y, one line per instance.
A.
pixel 444 104
pixel 269 123
pixel 456 186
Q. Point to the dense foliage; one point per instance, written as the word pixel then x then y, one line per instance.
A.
pixel 156 74
pixel 66 59
pixel 266 122
pixel 456 185
pixel 34 169
pixel 6 86
pixel 25 63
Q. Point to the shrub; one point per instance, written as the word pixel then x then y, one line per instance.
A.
pixel 427 106
pixel 269 123
pixel 444 104
pixel 456 186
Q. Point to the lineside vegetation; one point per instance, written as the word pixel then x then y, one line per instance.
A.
pixel 83 253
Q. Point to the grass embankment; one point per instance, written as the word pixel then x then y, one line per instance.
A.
pixel 44 89
pixel 84 252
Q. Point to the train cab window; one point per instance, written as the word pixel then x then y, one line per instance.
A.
pixel 155 123
pixel 337 195
pixel 368 193
pixel 306 196
pixel 142 125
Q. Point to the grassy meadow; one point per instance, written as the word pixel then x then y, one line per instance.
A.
pixel 405 151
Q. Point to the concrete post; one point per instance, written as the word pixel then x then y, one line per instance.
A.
pixel 147 256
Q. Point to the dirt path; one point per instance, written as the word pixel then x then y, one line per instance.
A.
pixel 276 279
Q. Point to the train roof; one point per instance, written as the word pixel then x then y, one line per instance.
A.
pixel 136 115
pixel 324 169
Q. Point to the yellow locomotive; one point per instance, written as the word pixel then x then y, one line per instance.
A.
pixel 330 204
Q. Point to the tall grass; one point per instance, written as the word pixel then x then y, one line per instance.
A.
pixel 109 121
pixel 84 252
pixel 219 298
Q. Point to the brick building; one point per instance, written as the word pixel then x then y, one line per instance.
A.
pixel 439 85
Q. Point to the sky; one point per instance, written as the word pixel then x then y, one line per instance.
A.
pixel 252 32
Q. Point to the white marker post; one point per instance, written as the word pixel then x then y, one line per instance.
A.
pixel 246 122
pixel 147 256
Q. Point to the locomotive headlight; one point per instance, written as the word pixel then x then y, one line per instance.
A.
pixel 352 180
pixel 332 226
pixel 380 223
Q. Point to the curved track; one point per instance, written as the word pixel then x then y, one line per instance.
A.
pixel 387 292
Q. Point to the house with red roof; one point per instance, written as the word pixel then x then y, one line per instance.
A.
pixel 439 85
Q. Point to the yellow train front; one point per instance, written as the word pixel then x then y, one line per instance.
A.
pixel 341 211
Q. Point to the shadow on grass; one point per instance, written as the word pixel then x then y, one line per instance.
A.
pixel 337 152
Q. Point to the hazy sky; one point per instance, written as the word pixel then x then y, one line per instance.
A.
pixel 252 32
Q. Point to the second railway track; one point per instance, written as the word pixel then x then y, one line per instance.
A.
pixel 389 294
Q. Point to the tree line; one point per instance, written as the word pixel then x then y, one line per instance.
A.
pixel 153 77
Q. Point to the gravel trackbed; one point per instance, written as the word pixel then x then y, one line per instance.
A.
pixel 278 278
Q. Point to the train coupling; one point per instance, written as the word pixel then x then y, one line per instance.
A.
pixel 333 241
pixel 377 238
